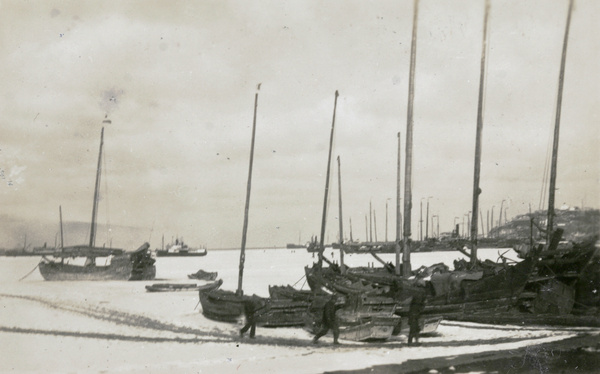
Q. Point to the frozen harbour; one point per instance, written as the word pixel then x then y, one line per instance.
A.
pixel 119 327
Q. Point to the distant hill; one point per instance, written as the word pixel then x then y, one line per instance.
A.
pixel 16 233
pixel 578 225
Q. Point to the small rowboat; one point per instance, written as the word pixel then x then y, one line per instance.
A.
pixel 170 287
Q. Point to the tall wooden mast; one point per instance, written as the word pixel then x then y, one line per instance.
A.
pixel 96 192
pixel 406 266
pixel 398 212
pixel 561 79
pixel 324 219
pixel 340 219
pixel 62 238
pixel 476 189
pixel 247 207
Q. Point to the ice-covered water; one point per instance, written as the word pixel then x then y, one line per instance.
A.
pixel 119 327
pixel 264 267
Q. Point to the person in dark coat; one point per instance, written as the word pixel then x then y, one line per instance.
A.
pixel 330 320
pixel 417 305
pixel 251 306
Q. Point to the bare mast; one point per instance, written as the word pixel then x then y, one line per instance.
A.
pixel 398 213
pixel 340 219
pixel 240 291
pixel 96 192
pixel 62 241
pixel 477 171
pixel 406 266
pixel 62 238
pixel 324 219
pixel 561 79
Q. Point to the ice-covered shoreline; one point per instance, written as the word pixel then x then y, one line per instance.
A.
pixel 119 327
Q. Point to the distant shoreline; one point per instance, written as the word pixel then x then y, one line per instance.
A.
pixel 248 248
pixel 34 254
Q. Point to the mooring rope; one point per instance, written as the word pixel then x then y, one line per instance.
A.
pixel 32 270
pixel 299 280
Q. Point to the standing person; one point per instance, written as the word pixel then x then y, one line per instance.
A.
pixel 417 305
pixel 251 305
pixel 330 320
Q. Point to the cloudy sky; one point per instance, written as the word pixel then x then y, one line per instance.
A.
pixel 178 79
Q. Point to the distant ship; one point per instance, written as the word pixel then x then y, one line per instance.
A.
pixel 180 249
pixel 295 246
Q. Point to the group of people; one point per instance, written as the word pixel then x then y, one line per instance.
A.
pixel 252 306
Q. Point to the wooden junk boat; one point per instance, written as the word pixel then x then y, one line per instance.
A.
pixel 553 284
pixel 227 306
pixel 368 314
pixel 362 317
pixel 561 286
pixel 478 287
pixel 136 265
pixel 133 265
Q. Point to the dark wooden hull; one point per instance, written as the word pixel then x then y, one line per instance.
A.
pixel 221 305
pixel 375 328
pixel 136 265
pixel 210 286
pixel 499 293
pixel 283 313
pixel 203 275
pixel 350 283
pixel 361 318
pixel 11 253
pixel 290 293
pixel 170 287
pixel 506 284
pixel 117 270
pixel 492 292
pixel 226 306
pixel 563 281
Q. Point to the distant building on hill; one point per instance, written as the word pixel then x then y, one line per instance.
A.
pixel 577 224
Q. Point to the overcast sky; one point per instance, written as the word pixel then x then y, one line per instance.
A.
pixel 177 80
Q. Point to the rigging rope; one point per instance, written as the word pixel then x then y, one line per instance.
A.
pixel 299 280
pixel 329 194
pixel 545 176
pixel 32 270
pixel 151 230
